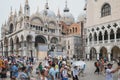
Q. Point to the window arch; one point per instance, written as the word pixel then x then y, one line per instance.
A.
pixel 76 29
pixel 106 35
pixel 100 36
pixel 106 10
pixel 95 36
pixel 90 37
pixel 118 33
pixel 11 28
pixel 111 34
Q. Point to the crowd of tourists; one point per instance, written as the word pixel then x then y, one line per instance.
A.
pixel 21 68
pixel 55 69
pixel 16 67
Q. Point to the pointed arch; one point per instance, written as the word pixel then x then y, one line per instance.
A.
pixel 100 36
pixel 95 36
pixel 118 33
pixel 112 34
pixel 106 35
pixel 90 37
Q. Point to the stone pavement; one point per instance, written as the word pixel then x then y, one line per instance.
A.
pixel 88 75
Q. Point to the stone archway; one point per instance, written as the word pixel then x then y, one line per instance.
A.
pixel 6 46
pixel 103 53
pixel 115 52
pixel 41 46
pixel 11 46
pixel 93 55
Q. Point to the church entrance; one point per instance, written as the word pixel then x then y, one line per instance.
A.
pixel 41 46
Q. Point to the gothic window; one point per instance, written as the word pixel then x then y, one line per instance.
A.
pixel 106 10
pixel 106 35
pixel 76 29
pixel 95 37
pixel 118 33
pixel 90 37
pixel 54 40
pixel 100 36
pixel 11 28
pixel 112 34
pixel 73 30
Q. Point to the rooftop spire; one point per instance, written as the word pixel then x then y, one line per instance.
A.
pixel 15 13
pixel 26 2
pixel 20 11
pixel 58 14
pixel 11 11
pixel 66 9
pixel 37 9
pixel 46 5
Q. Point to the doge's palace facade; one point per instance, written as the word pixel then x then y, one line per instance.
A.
pixel 102 29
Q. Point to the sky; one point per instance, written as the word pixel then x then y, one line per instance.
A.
pixel 75 6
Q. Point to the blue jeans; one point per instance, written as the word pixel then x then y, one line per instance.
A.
pixel 64 78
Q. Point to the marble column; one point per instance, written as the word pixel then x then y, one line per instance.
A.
pixel 108 37
pixel 115 37
pixel 103 38
pixel 97 39
pixel 88 41
pixel 109 56
pixel 88 56
pixel 98 57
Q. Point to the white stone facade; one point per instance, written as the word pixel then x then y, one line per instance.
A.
pixel 23 34
pixel 102 29
pixel 72 45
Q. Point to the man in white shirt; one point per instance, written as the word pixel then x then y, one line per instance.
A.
pixel 75 73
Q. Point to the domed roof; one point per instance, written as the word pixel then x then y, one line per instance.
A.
pixel 68 15
pixel 81 17
pixel 48 13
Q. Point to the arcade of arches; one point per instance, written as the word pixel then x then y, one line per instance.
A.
pixel 27 46
pixel 104 53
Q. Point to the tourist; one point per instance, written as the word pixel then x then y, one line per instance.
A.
pixel 14 71
pixel 75 73
pixel 44 74
pixel 40 67
pixel 52 72
pixel 23 75
pixel 109 72
pixel 97 67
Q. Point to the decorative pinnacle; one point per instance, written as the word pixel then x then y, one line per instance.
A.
pixel 11 11
pixel 26 2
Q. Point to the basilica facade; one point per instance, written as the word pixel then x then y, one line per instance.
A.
pixel 102 29
pixel 35 35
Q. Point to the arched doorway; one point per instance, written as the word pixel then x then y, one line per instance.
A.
pixel 41 46
pixel 103 53
pixel 6 47
pixel 93 55
pixel 115 52
pixel 29 46
pixel 17 45
pixel 2 48
pixel 11 46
